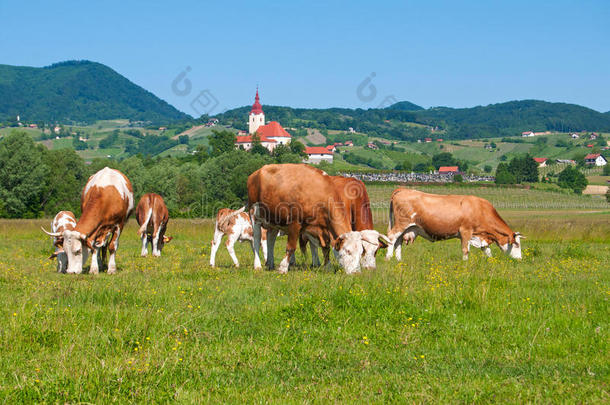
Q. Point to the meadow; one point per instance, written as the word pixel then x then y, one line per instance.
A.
pixel 429 329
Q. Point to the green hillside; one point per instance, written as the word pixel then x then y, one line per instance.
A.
pixel 77 91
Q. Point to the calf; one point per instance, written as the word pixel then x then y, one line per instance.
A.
pixel 152 216
pixel 64 220
pixel 238 227
pixel 438 217
pixel 106 203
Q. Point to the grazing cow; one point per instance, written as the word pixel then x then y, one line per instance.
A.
pixel 106 203
pixel 64 220
pixel 354 196
pixel 296 198
pixel 438 217
pixel 152 216
pixel 238 227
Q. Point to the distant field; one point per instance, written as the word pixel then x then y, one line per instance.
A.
pixel 430 329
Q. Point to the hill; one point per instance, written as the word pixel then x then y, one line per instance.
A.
pixel 495 120
pixel 77 91
pixel 405 106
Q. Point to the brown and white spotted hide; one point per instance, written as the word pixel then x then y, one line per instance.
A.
pixel 152 216
pixel 64 220
pixel 238 227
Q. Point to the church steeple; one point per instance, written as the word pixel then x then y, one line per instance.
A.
pixel 257 116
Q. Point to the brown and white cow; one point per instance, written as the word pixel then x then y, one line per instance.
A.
pixel 438 217
pixel 64 220
pixel 106 203
pixel 293 198
pixel 238 228
pixel 355 198
pixel 152 216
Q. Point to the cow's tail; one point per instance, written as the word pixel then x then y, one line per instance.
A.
pixel 391 219
pixel 142 229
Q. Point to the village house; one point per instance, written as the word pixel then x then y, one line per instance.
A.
pixel 348 143
pixel 371 145
pixel 317 154
pixel 527 134
pixel 595 159
pixel 566 161
pixel 575 136
pixel 449 170
pixel 541 161
pixel 428 140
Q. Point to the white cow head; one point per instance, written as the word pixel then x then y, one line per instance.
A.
pixel 371 242
pixel 349 246
pixel 75 248
pixel 514 249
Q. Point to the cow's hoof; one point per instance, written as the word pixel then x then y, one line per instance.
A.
pixel 157 254
pixel 465 257
pixel 111 270
pixel 94 271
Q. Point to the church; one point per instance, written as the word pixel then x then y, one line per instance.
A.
pixel 270 135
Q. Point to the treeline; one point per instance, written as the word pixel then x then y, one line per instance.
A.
pixel 37 182
pixel 496 120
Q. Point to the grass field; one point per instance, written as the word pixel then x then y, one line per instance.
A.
pixel 430 329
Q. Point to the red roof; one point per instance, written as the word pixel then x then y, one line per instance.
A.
pixel 248 139
pixel 257 108
pixel 330 147
pixel 448 169
pixel 317 150
pixel 540 160
pixel 592 156
pixel 589 146
pixel 272 129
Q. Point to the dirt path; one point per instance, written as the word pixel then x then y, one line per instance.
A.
pixel 591 189
pixel 189 132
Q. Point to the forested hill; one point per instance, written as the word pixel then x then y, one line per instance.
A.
pixel 78 91
pixel 395 122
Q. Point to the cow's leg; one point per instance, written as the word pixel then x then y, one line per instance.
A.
pixel 215 244
pixel 256 244
pixel 113 246
pixel 393 235
pixel 144 251
pixel 486 250
pixel 465 236
pixel 271 235
pixel 264 244
pixel 315 259
pixel 398 248
pixel 95 268
pixel 291 246
pixel 326 253
pixel 230 243
pixel 155 241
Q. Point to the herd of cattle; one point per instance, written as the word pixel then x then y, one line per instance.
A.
pixel 302 202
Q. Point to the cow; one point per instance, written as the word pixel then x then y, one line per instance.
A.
pixel 152 216
pixel 295 198
pixel 106 203
pixel 64 220
pixel 354 196
pixel 238 227
pixel 438 217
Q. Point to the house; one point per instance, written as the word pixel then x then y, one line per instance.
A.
pixel 337 144
pixel 33 126
pixel 439 140
pixel 593 136
pixel 575 136
pixel 428 140
pixel 331 148
pixel 595 159
pixel 566 161
pixel 527 134
pixel 349 143
pixel 371 145
pixel 350 130
pixel 162 129
pixel 448 170
pixel 383 141
pixel 590 145
pixel 317 154
pixel 541 161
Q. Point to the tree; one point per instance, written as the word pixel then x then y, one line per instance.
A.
pixel 458 178
pixel 607 198
pixel 183 139
pixel 503 175
pixel 487 169
pixel 22 176
pixel 298 148
pixel 444 159
pixel 572 178
pixel 222 142
pixel 524 168
pixel 66 176
pixel 257 147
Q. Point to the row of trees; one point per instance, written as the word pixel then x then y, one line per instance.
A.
pixel 36 182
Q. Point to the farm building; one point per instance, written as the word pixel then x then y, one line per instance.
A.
pixel 595 159
pixel 527 134
pixel 541 161
pixel 575 136
pixel 317 154
pixel 449 169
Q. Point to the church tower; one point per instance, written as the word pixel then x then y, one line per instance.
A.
pixel 257 116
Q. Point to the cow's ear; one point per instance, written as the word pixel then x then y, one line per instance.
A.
pixel 338 243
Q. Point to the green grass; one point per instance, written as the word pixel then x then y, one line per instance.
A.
pixel 430 329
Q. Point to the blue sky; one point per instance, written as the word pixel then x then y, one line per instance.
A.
pixel 316 54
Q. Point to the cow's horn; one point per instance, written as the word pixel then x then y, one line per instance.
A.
pixel 55 234
pixel 519 235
